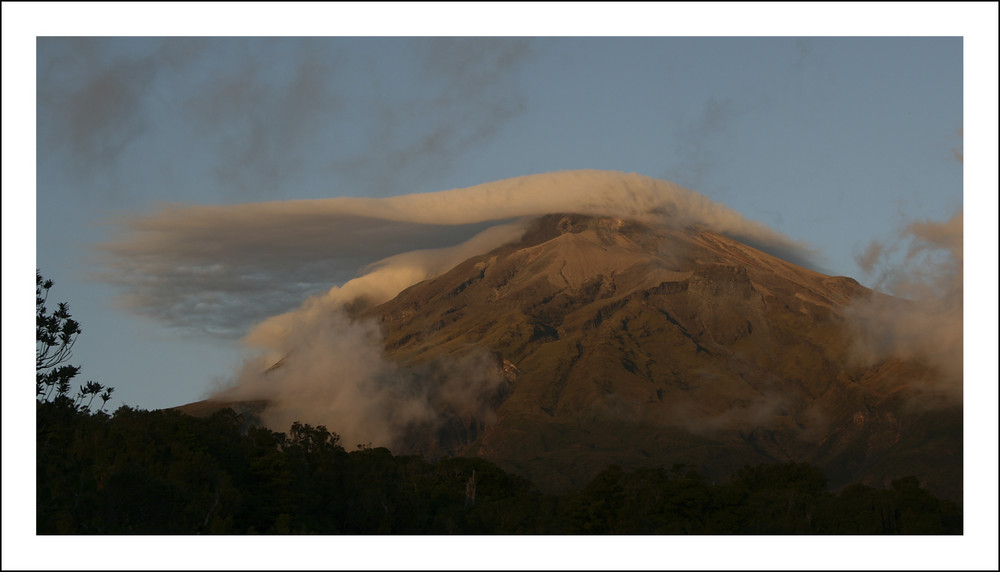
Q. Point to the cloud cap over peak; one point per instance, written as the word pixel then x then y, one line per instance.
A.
pixel 222 268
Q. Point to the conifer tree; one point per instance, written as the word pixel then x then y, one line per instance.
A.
pixel 55 334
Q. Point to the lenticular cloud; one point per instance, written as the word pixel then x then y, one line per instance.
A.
pixel 222 269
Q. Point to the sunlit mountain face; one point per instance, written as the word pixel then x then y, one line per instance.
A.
pixel 626 344
pixel 595 340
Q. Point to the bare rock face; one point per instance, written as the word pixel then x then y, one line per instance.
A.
pixel 638 346
pixel 597 340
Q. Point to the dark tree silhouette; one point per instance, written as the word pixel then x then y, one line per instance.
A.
pixel 55 334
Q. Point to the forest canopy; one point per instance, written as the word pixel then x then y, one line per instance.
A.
pixel 164 472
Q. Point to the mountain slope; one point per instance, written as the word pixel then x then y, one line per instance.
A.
pixel 633 345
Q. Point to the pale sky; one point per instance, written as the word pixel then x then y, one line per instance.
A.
pixel 831 140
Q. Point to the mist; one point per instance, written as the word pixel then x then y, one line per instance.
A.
pixel 333 372
pixel 922 267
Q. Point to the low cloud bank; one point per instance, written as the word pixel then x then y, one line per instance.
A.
pixel 925 324
pixel 335 374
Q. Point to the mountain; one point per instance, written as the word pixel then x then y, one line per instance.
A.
pixel 633 345
pixel 602 340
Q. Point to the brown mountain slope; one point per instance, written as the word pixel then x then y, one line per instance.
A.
pixel 638 346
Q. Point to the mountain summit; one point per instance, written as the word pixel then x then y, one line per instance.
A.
pixel 597 340
pixel 622 343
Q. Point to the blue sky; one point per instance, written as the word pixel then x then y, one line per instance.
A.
pixel 832 140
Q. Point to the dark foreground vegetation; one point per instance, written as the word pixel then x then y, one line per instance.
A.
pixel 163 472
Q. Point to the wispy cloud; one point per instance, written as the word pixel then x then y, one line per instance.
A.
pixel 959 151
pixel 693 156
pixel 251 118
pixel 96 97
pixel 926 323
pixel 473 91
pixel 263 120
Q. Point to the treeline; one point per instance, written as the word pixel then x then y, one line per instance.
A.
pixel 163 472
